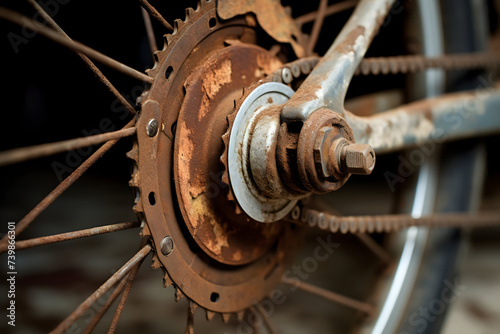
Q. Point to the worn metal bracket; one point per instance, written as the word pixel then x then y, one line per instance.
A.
pixel 327 84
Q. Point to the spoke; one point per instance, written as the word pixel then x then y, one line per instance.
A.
pixel 27 23
pixel 89 62
pixel 149 31
pixel 262 312
pixel 54 194
pixel 154 13
pixel 380 252
pixel 97 318
pixel 90 232
pixel 63 326
pixel 332 296
pixel 130 281
pixel 318 24
pixel 38 151
pixel 330 10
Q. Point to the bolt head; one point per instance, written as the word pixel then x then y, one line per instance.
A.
pixel 152 127
pixel 167 246
pixel 359 159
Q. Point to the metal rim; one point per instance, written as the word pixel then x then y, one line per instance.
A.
pixel 412 254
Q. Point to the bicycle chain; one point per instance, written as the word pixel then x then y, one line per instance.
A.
pixel 417 63
pixel 387 223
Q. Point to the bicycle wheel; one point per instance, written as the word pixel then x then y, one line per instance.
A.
pixel 207 248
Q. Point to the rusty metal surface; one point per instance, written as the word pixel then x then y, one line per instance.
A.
pixel 210 94
pixel 307 166
pixel 215 286
pixel 216 258
pixel 272 17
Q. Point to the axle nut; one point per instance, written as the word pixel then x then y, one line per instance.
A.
pixel 359 159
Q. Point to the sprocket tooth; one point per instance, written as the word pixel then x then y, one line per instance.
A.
pixel 134 180
pixel 224 159
pixel 145 232
pixel 168 38
pixel 167 281
pixel 231 117
pixel 178 294
pixel 210 315
pixel 138 206
pixel 133 153
pixel 226 317
pixel 240 315
pixel 225 177
pixel 178 24
pixel 230 196
pixel 152 72
pixel 189 13
pixel 203 4
pixel 155 262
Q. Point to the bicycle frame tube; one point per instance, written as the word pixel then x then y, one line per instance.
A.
pixel 436 120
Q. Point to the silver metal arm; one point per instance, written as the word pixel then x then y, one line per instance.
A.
pixel 327 84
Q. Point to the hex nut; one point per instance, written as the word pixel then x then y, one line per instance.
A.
pixel 321 147
pixel 359 159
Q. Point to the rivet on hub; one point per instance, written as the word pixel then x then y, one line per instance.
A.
pixel 152 128
pixel 167 246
